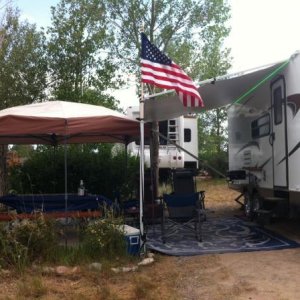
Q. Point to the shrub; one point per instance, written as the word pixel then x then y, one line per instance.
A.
pixel 12 252
pixel 103 171
pixel 26 241
pixel 104 238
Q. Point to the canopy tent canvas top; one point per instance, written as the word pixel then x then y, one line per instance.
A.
pixel 216 92
pixel 60 122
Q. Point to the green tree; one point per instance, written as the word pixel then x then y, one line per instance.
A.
pixel 23 69
pixel 182 29
pixel 23 64
pixel 80 68
pixel 212 125
pixel 190 32
pixel 212 130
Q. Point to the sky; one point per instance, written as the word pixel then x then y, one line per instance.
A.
pixel 262 32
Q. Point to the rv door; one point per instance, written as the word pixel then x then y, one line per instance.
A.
pixel 278 138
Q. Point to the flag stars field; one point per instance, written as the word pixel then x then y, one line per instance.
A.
pixel 155 55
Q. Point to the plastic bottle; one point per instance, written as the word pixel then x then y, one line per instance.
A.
pixel 81 188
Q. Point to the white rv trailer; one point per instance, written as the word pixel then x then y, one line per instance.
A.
pixel 264 140
pixel 181 130
pixel 264 132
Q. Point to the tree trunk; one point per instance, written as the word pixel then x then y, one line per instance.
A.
pixel 154 152
pixel 3 170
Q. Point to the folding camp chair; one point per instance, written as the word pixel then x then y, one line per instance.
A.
pixel 182 211
pixel 183 181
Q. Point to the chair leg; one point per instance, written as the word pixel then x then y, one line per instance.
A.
pixel 196 230
pixel 202 197
pixel 198 227
pixel 163 234
pixel 200 230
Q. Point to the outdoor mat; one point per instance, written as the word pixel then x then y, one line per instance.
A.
pixel 220 235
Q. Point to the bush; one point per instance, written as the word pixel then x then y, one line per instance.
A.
pixel 102 170
pixel 104 238
pixel 27 241
pixel 30 241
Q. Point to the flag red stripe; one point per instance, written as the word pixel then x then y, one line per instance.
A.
pixel 184 101
pixel 193 102
pixel 170 70
pixel 171 80
pixel 165 85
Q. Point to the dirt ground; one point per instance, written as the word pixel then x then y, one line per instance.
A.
pixel 254 275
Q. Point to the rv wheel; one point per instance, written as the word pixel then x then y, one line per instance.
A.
pixel 256 203
pixel 247 204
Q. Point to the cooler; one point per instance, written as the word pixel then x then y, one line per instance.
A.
pixel 132 236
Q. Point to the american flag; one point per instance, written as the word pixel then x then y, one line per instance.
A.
pixel 159 70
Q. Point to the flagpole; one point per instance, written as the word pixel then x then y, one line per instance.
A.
pixel 142 158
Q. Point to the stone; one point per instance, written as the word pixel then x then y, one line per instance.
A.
pixel 63 270
pixel 95 266
pixel 146 261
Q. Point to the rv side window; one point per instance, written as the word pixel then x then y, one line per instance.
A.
pixel 260 127
pixel 277 94
pixel 187 135
pixel 163 129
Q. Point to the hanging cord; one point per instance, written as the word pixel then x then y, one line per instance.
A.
pixel 192 155
pixel 259 83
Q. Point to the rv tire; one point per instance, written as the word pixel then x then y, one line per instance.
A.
pixel 247 204
pixel 256 203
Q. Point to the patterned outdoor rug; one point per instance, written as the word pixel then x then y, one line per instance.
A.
pixel 219 236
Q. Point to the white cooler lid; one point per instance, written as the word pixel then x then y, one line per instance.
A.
pixel 128 230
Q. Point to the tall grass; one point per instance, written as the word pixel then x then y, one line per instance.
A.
pixel 145 288
pixel 22 242
pixel 31 288
pixel 37 241
pixel 201 184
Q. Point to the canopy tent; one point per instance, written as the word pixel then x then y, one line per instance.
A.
pixel 60 122
pixel 216 92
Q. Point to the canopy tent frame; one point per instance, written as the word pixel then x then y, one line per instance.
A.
pixel 62 122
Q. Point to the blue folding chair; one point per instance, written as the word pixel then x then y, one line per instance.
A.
pixel 184 182
pixel 182 211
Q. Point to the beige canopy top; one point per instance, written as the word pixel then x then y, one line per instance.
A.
pixel 58 122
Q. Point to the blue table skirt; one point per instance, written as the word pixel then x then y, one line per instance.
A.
pixel 54 202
